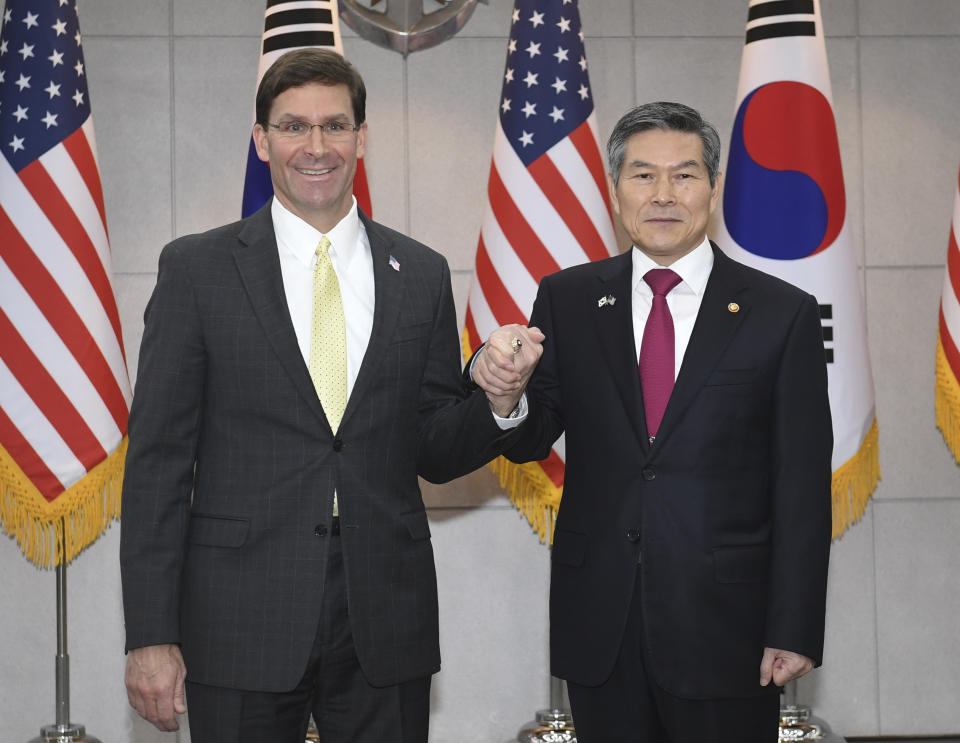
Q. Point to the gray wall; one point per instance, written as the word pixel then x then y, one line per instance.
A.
pixel 171 83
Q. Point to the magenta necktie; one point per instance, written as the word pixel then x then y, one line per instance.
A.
pixel 657 349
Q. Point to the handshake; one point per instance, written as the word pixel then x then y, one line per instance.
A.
pixel 504 365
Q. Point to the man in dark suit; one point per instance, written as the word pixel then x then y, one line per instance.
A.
pixel 690 554
pixel 298 370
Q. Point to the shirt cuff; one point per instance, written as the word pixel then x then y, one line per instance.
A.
pixel 518 416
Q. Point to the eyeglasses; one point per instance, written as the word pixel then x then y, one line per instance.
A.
pixel 297 130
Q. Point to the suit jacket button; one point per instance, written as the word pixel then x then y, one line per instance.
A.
pixel 319 530
pixel 633 535
pixel 649 473
pixel 337 444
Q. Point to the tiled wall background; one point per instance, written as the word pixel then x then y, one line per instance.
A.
pixel 171 83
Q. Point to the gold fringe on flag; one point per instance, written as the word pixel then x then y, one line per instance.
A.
pixel 854 482
pixel 532 493
pixel 47 531
pixel 947 402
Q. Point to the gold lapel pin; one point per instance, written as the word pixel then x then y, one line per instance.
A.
pixel 733 307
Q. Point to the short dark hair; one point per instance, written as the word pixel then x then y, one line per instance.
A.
pixel 305 66
pixel 665 116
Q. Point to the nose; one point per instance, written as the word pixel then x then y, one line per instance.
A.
pixel 663 192
pixel 315 144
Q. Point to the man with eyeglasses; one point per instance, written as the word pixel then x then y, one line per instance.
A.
pixel 299 369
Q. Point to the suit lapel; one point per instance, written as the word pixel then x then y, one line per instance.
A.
pixel 715 326
pixel 258 263
pixel 614 328
pixel 388 292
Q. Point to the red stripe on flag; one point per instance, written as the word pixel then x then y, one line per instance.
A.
pixel 79 149
pixel 58 210
pixel 62 315
pixel 500 301
pixel 473 337
pixel 582 139
pixel 950 349
pixel 28 460
pixel 953 264
pixel 361 189
pixel 526 243
pixel 568 206
pixel 553 468
pixel 48 397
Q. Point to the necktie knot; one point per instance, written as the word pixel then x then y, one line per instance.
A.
pixel 661 281
pixel 323 247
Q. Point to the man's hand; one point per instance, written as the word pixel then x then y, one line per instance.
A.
pixel 505 364
pixel 154 678
pixel 782 666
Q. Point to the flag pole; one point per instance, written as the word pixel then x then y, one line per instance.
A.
pixel 63 731
pixel 554 724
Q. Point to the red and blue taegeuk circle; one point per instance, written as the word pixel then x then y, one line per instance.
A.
pixel 783 195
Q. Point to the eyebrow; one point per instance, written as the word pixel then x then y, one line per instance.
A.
pixel 678 166
pixel 297 117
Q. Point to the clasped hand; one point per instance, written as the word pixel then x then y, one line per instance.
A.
pixel 505 365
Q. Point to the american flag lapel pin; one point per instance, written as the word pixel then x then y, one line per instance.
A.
pixel 394 263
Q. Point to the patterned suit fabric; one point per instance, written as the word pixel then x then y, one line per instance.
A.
pixel 232 467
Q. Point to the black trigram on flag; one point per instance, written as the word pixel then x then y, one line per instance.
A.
pixel 770 29
pixel 291 25
pixel 826 322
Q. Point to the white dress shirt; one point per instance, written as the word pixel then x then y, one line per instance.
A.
pixel 353 264
pixel 684 300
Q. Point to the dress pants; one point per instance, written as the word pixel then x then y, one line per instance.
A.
pixel 630 708
pixel 346 708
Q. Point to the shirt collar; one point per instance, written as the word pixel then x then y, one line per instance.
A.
pixel 693 268
pixel 300 239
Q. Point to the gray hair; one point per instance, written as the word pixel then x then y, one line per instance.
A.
pixel 665 116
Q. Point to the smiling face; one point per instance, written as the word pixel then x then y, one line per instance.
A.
pixel 663 197
pixel 313 178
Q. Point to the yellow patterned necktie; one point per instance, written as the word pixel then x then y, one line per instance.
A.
pixel 328 340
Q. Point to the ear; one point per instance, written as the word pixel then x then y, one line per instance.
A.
pixel 612 190
pixel 362 139
pixel 260 142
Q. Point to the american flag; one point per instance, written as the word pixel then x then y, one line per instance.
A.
pixel 948 340
pixel 289 25
pixel 64 390
pixel 547 202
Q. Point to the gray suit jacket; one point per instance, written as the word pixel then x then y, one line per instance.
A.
pixel 232 465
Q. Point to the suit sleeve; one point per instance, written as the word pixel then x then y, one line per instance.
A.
pixel 801 487
pixel 544 422
pixel 457 431
pixel 164 425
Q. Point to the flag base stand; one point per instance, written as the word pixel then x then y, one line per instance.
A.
pixel 798 723
pixel 63 731
pixel 70 733
pixel 552 725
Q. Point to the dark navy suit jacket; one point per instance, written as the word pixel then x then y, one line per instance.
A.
pixel 727 515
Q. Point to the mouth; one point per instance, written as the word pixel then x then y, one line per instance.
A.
pixel 312 171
